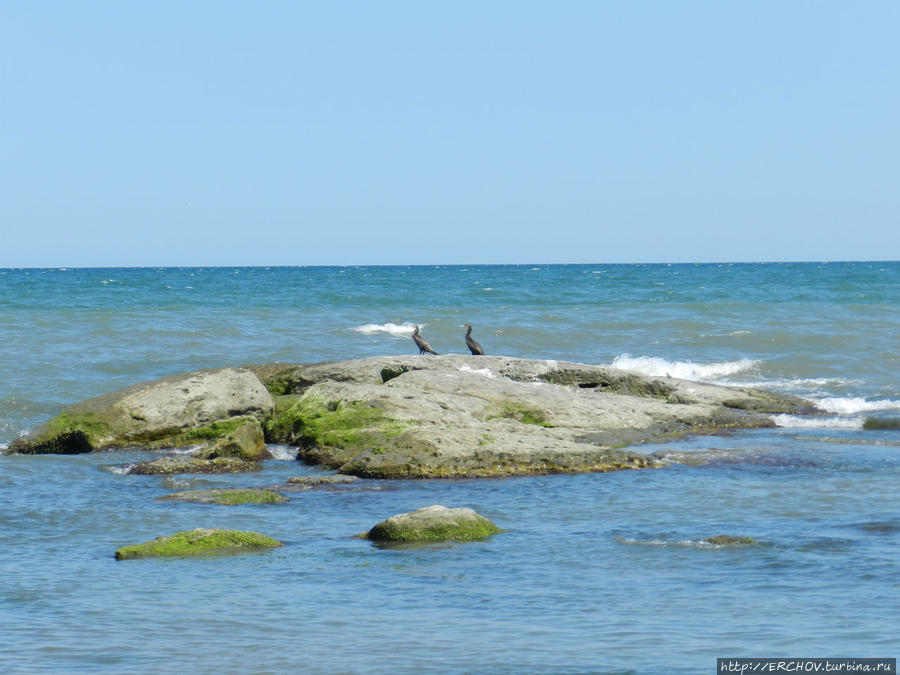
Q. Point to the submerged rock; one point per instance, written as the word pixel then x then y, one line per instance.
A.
pixel 728 540
pixel 315 481
pixel 702 457
pixel 167 466
pixel 226 496
pixel 433 524
pixel 199 542
pixel 881 423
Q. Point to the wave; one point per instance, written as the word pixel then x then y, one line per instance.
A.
pixel 850 406
pixel 396 330
pixel 655 366
pixel 733 333
pixel 186 450
pixel 795 422
pixel 807 383
pixel 846 413
pixel 120 469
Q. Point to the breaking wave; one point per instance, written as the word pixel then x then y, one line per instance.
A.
pixel 850 406
pixel 795 422
pixel 685 370
pixel 392 329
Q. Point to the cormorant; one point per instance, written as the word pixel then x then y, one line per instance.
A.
pixel 473 346
pixel 421 344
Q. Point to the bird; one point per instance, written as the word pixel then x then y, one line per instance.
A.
pixel 420 343
pixel 473 346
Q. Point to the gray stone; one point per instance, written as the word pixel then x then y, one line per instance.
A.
pixel 151 411
pixel 433 524
pixel 463 416
pixel 446 416
pixel 168 466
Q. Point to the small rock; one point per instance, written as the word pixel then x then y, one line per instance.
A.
pixel 199 542
pixel 433 524
pixel 245 441
pixel 167 466
pixel 881 423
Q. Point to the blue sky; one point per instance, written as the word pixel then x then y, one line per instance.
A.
pixel 291 133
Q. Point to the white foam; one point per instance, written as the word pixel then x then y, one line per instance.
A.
pixel 733 333
pixel 486 372
pixel 684 543
pixel 685 370
pixel 283 452
pixel 186 450
pixel 849 406
pixel 815 422
pixel 120 470
pixel 393 329
pixel 812 386
pixel 173 483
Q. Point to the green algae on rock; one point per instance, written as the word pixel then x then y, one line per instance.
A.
pixel 240 437
pixel 450 416
pixel 150 411
pixel 199 542
pixel 881 423
pixel 433 524
pixel 312 420
pixel 226 496
pixel 244 441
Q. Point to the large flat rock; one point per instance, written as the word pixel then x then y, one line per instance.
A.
pixel 462 416
pixel 445 416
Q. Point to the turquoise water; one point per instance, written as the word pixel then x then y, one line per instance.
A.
pixel 596 573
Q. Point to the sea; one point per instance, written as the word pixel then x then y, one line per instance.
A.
pixel 594 573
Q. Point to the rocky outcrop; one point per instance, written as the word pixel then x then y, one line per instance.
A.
pixel 415 417
pixel 151 411
pixel 433 524
pixel 199 542
pixel 459 416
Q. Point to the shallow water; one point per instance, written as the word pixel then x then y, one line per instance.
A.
pixel 595 572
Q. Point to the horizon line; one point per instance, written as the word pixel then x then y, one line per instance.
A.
pixel 471 264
